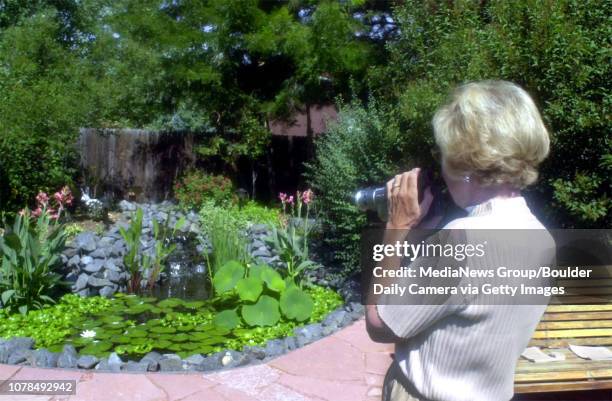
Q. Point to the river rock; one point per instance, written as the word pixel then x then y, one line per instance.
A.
pixel 81 282
pixel 68 357
pixel 43 358
pixel 98 282
pixel 127 206
pixel 86 241
pixel 87 361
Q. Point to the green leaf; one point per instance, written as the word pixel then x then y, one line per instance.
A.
pixel 6 295
pixel 263 313
pixel 170 303
pixel 249 288
pixel 271 277
pixel 227 319
pixel 296 304
pixel 227 276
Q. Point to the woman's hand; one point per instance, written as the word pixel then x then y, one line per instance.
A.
pixel 404 210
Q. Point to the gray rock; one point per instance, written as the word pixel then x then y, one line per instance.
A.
pixel 106 242
pixel 98 282
pixel 291 343
pixel 210 363
pixel 84 292
pixel 152 360
pixel 81 282
pixel 194 359
pixel 85 260
pixel 87 361
pixel 308 334
pixel 127 206
pixel 107 291
pixel 86 241
pixel 44 358
pixel 335 318
pixel 99 253
pixel 95 266
pixel 118 248
pixel 19 356
pixel 113 363
pixel 357 309
pixel 68 357
pixel 275 347
pixel 261 252
pixel 8 347
pixel 232 359
pixel 255 352
pixel 132 366
pixel 111 264
pixel 112 275
pixel 73 261
pixel 170 364
pixel 69 252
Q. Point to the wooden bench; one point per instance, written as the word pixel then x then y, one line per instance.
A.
pixel 581 317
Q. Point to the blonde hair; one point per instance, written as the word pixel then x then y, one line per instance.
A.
pixel 492 131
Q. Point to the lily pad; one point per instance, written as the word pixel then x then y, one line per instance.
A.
pixel 193 304
pixel 161 329
pixel 227 319
pixel 96 348
pixel 227 276
pixel 263 313
pixel 170 303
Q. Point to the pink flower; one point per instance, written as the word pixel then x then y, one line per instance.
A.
pixel 64 196
pixel 283 197
pixel 37 212
pixel 290 200
pixel 42 199
pixel 307 196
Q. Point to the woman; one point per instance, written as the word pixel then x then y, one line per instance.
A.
pixel 491 138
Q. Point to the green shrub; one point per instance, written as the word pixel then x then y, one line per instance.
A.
pixel 195 187
pixel 43 103
pixel 361 149
pixel 236 218
pixel 558 51
pixel 30 254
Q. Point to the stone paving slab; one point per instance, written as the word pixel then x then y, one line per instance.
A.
pixel 344 366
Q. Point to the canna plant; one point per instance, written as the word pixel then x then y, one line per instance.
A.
pixel 30 255
pixel 291 241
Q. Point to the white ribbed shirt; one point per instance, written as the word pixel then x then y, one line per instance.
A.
pixel 469 352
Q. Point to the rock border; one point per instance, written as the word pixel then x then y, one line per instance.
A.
pixel 20 351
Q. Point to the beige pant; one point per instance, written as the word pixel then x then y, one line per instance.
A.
pixel 394 387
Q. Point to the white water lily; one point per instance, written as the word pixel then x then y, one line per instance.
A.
pixel 88 334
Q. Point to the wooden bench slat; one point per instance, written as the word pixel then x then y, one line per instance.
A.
pixel 571 316
pixel 565 342
pixel 579 308
pixel 575 324
pixel 573 333
pixel 525 366
pixel 530 388
pixel 563 376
